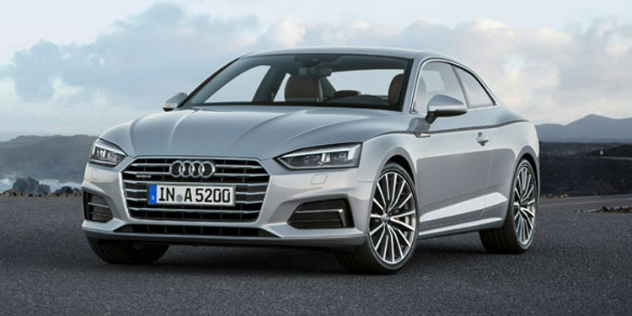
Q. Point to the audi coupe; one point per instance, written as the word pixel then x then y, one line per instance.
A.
pixel 360 151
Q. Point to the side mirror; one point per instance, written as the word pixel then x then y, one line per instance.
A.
pixel 443 105
pixel 174 101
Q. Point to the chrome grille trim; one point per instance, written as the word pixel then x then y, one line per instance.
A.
pixel 249 193
pixel 153 173
pixel 197 183
pixel 150 165
pixel 235 175
pixel 249 178
pixel 149 209
pixel 238 166
pixel 134 190
pixel 248 202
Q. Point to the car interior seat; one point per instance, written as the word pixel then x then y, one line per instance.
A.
pixel 303 89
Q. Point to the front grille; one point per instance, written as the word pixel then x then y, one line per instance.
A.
pixel 247 176
pixel 194 231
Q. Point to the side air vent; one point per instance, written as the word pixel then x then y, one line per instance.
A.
pixel 96 208
pixel 324 214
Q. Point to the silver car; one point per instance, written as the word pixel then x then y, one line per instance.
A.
pixel 360 151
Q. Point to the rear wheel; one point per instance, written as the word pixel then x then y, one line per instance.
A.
pixel 516 234
pixel 127 252
pixel 392 228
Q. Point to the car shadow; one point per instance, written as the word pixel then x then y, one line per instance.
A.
pixel 284 262
pixel 72 253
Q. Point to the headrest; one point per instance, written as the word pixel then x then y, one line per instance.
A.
pixel 394 89
pixel 303 89
pixel 346 93
pixel 421 88
pixel 421 97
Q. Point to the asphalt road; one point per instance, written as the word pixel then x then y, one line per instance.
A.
pixel 580 263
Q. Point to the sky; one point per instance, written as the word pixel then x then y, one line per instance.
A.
pixel 80 67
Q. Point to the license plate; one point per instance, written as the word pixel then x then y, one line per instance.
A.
pixel 192 195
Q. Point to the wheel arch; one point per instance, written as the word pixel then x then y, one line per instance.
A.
pixel 405 163
pixel 529 154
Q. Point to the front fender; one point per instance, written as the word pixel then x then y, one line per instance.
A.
pixel 377 151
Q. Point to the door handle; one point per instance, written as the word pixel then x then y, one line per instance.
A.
pixel 482 139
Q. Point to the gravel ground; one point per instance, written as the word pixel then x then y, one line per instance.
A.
pixel 580 263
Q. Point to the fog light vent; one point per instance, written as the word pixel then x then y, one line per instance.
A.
pixel 323 214
pixel 96 208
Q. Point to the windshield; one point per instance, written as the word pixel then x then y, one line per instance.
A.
pixel 333 80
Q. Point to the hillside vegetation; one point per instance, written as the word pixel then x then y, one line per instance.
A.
pixel 45 157
pixel 579 169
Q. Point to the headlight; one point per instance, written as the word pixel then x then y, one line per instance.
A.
pixel 104 153
pixel 342 156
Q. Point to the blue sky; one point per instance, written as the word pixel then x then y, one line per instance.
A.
pixel 69 66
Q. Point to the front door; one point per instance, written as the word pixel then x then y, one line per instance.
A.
pixel 455 169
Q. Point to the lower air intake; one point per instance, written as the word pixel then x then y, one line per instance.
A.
pixel 96 208
pixel 323 214
pixel 194 231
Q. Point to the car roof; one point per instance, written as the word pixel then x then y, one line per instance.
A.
pixel 377 51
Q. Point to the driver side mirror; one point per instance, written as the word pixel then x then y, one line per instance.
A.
pixel 443 105
pixel 173 102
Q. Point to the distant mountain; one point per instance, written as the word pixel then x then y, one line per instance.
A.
pixel 45 157
pixel 590 129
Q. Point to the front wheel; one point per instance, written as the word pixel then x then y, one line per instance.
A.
pixel 127 252
pixel 392 229
pixel 516 234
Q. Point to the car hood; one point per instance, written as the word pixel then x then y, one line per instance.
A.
pixel 250 132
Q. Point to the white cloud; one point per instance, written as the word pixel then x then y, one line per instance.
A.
pixel 287 33
pixel 137 62
pixel 548 74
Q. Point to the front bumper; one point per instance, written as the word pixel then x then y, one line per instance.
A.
pixel 286 191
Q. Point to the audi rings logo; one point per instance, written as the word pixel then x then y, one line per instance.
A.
pixel 192 169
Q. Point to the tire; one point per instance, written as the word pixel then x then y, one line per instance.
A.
pixel 392 228
pixel 516 234
pixel 127 252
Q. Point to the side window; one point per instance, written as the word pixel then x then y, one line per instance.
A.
pixel 436 78
pixel 476 94
pixel 241 88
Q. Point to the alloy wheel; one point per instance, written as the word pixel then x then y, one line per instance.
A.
pixel 393 223
pixel 524 205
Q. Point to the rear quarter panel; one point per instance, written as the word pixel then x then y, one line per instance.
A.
pixel 512 137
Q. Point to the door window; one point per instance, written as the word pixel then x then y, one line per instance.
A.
pixel 476 94
pixel 436 78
